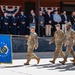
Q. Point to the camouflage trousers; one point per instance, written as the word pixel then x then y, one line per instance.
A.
pixel 58 51
pixel 30 53
pixel 69 50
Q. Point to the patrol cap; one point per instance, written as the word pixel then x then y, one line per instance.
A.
pixel 57 25
pixel 32 27
pixel 68 24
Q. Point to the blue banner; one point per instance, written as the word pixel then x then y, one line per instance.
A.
pixel 5 49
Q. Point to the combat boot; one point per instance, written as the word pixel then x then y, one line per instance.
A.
pixel 27 63
pixel 38 60
pixel 53 62
pixel 62 62
pixel 73 60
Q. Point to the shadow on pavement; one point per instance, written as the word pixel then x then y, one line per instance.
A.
pixel 11 66
pixel 59 67
pixel 66 67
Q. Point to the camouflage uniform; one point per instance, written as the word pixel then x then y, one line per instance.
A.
pixel 32 44
pixel 69 40
pixel 58 37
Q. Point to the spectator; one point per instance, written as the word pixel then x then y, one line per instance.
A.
pixel 41 24
pixel 22 23
pixel 56 19
pixel 72 19
pixel 64 21
pixel 5 23
pixel 13 24
pixel 31 12
pixel 48 23
pixel 32 19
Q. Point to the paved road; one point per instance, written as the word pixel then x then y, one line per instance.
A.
pixel 43 68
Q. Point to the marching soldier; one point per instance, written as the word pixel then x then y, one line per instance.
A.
pixel 69 42
pixel 32 44
pixel 58 37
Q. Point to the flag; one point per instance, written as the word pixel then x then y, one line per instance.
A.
pixel 10 9
pixel 5 49
pixel 44 9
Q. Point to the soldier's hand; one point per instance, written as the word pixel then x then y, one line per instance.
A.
pixel 26 36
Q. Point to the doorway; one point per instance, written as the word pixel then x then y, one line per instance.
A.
pixel 28 7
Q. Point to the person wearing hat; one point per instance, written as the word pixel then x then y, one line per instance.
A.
pixel 58 38
pixel 32 44
pixel 69 42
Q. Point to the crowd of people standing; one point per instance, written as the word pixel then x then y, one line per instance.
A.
pixel 46 22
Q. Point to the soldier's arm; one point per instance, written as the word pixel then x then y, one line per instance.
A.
pixel 74 37
pixel 53 39
pixel 23 36
pixel 62 34
pixel 36 41
pixel 26 37
pixel 63 37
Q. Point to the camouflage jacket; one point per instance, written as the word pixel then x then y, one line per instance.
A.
pixel 33 40
pixel 70 36
pixel 58 36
